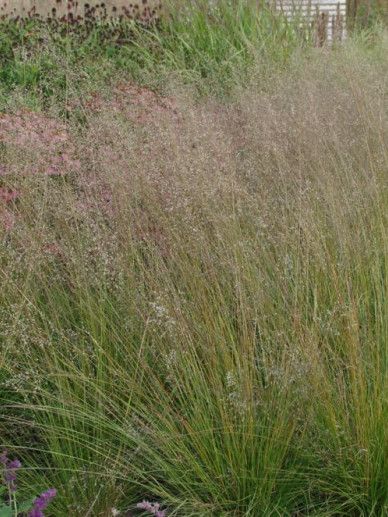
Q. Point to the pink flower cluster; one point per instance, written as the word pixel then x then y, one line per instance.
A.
pixel 7 197
pixel 138 104
pixel 32 144
pixel 152 508
pixel 43 140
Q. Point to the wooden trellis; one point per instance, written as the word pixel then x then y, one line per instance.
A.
pixel 327 18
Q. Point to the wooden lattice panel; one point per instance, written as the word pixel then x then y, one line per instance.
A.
pixel 328 17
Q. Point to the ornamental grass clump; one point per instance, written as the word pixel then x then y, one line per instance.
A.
pixel 196 313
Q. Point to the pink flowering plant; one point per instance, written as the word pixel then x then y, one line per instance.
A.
pixel 10 506
pixel 151 508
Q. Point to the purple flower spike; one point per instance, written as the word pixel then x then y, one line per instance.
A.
pixel 14 464
pixel 10 470
pixel 42 502
pixel 36 513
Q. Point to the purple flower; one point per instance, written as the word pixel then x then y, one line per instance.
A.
pixel 36 513
pixel 145 505
pixel 42 502
pixel 14 464
pixel 152 508
pixel 10 468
